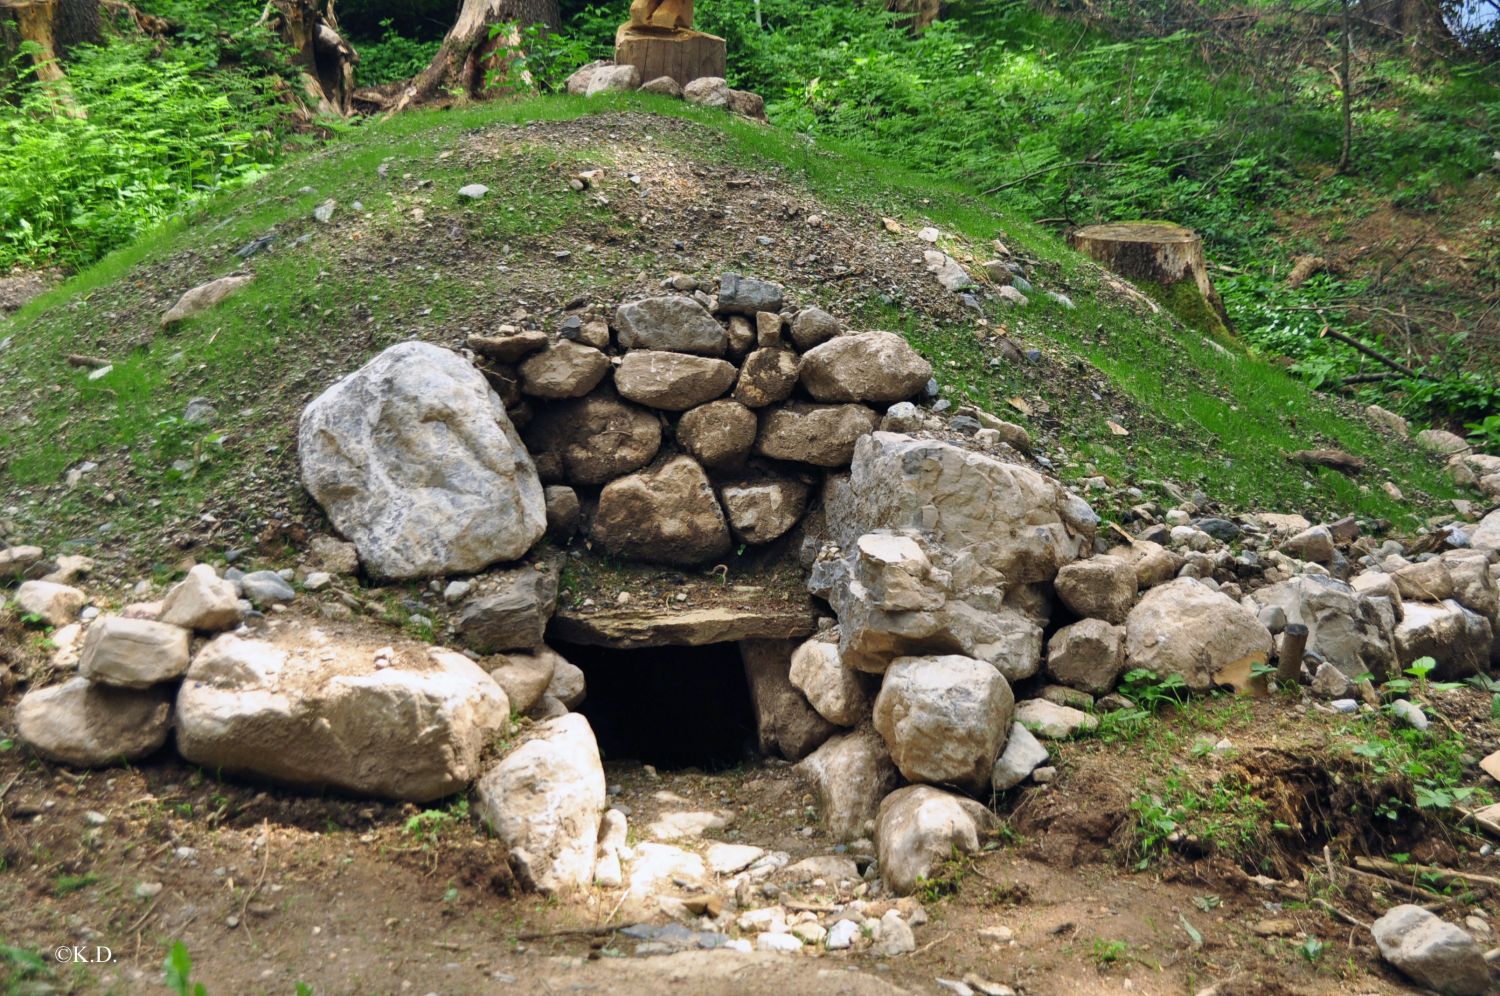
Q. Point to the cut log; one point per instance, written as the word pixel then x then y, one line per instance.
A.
pixel 683 55
pixel 1164 260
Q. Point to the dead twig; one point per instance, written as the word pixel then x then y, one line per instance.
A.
pixel 1053 169
pixel 1391 869
pixel 1373 353
pixel 79 360
pixel 146 915
pixel 1351 921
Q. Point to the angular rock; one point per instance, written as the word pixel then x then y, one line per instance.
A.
pixel 415 460
pixel 1388 420
pixel 1089 655
pixel 917 830
pixel 746 295
pixel 205 296
pixel 203 601
pixel 512 345
pixel 544 800
pixel 1018 526
pixel 332 555
pixel 1315 544
pixel 786 724
pixel 1052 721
pixel 1186 628
pixel 1459 640
pixel 514 615
pixel 133 653
pixel 872 367
pixel 1154 564
pixel 813 327
pixel 594 440
pixel 54 604
pixel 567 685
pixel 667 515
pixel 767 377
pixel 1486 536
pixel 1100 588
pixel 851 773
pixel 675 324
pixel 1345 629
pixel 821 435
pixel 634 627
pixel 1022 755
pixel 288 713
pixel 839 694
pixel 953 277
pixel 719 434
pixel 673 382
pixel 266 588
pixel 525 677
pixel 1424 581
pixel 1432 952
pixel 944 719
pixel 88 725
pixel 765 509
pixel 563 370
pixel 747 104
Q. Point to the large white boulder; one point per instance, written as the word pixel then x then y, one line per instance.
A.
pixel 1459 640
pixel 1186 628
pixel 416 462
pixel 89 725
pixel 304 710
pixel 1344 628
pixel 918 828
pixel 1018 526
pixel 545 800
pixel 1486 535
pixel 944 719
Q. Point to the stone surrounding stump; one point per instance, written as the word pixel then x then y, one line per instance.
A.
pixel 595 439
pixel 1089 655
pixel 875 367
pixel 676 324
pixel 762 510
pixel 1186 628
pixel 54 604
pixel 944 719
pixel 918 828
pixel 839 694
pixel 1099 588
pixel 563 370
pixel 851 774
pixel 767 377
pixel 514 615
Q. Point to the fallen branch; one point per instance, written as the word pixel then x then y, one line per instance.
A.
pixel 1392 869
pixel 1373 353
pixel 1351 921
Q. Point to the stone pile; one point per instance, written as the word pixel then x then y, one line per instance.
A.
pixel 606 76
pixel 669 431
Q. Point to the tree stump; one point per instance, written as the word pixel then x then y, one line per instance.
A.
pixel 1164 260
pixel 683 55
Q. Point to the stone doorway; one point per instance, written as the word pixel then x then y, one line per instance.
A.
pixel 672 707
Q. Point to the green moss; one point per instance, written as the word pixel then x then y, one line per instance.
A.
pixel 1188 305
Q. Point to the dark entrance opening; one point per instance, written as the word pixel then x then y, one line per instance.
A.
pixel 671 707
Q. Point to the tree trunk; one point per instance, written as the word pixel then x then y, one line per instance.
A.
pixel 35 23
pixel 472 51
pixel 923 13
pixel 1167 261
pixel 320 53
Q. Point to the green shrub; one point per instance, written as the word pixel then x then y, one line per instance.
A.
pixel 394 57
pixel 137 138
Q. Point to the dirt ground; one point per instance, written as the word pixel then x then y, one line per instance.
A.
pixel 269 890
